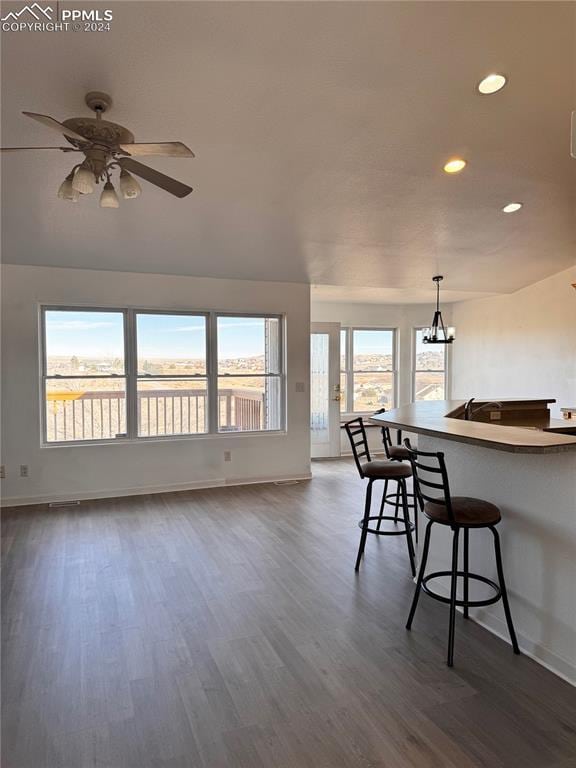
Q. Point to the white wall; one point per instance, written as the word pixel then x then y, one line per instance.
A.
pixel 519 345
pixel 66 472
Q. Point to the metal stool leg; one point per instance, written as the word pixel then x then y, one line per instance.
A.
pixel 503 591
pixel 453 586
pixel 397 512
pixel 420 575
pixel 466 569
pixel 405 508
pixel 415 512
pixel 365 524
pixel 382 505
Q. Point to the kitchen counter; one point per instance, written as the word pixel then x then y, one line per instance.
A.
pixel 443 418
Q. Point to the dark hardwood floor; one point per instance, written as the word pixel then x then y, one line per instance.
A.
pixel 227 629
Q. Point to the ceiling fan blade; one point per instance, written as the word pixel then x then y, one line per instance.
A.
pixel 167 148
pixel 49 122
pixel 155 177
pixel 18 149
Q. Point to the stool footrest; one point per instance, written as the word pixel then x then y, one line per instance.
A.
pixel 401 522
pixel 462 603
pixel 398 504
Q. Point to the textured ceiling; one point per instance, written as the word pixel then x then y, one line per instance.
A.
pixel 320 131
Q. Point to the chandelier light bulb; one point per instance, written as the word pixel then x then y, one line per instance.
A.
pixel 129 187
pixel 109 198
pixel 83 181
pixel 67 191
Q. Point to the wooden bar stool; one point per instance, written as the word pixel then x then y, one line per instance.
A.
pixel 397 453
pixel 379 470
pixel 458 512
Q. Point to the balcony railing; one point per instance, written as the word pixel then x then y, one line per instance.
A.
pixel 94 415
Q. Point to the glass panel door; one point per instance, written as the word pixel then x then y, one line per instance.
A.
pixel 325 390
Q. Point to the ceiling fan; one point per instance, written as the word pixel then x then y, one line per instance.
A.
pixel 107 146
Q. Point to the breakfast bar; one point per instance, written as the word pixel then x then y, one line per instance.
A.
pixel 511 453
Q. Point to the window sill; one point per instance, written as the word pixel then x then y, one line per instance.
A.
pixel 165 439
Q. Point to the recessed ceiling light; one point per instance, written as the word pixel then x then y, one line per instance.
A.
pixel 455 165
pixel 492 83
pixel 512 207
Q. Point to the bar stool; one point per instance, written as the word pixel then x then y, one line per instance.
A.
pixel 379 470
pixel 458 512
pixel 397 453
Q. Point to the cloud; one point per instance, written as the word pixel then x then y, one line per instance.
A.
pixel 77 325
pixel 222 322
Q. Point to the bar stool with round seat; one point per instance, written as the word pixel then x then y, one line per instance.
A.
pixel 397 453
pixel 459 513
pixel 387 471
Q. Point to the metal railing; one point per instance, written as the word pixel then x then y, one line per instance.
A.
pixel 101 415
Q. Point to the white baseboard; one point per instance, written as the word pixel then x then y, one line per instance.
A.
pixel 539 653
pixel 25 501
pixel 542 655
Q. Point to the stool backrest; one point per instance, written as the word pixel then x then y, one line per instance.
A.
pixel 359 442
pixel 430 476
pixel 386 439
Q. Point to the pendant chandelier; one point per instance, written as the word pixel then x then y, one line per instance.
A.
pixel 438 333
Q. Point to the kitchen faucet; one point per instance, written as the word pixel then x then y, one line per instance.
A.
pixel 469 411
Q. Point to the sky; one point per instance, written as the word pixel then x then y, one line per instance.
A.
pixel 100 334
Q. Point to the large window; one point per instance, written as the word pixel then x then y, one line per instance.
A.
pixel 429 371
pixel 368 369
pixel 123 374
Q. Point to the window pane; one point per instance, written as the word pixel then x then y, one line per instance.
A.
pixel 373 350
pixel 429 385
pixel 373 391
pixel 343 390
pixel 84 343
pixel 319 387
pixel 429 357
pixel 248 345
pixel 172 407
pixel 248 404
pixel 171 345
pixel 85 409
pixel 343 335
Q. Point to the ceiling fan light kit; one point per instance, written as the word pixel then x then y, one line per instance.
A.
pixel 108 147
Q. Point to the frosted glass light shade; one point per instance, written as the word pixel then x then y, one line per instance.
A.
pixel 109 198
pixel 83 181
pixel 67 191
pixel 129 187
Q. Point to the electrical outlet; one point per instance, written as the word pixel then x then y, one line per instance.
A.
pixel 23 470
pixel 227 455
pixel 2 472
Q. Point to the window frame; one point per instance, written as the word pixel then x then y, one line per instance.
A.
pixel 132 377
pixel 349 362
pixel 415 370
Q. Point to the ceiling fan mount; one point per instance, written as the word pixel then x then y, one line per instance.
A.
pixel 98 101
pixel 107 146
